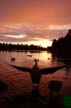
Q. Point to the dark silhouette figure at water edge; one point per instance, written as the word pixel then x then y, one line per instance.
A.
pixel 36 72
pixel 36 100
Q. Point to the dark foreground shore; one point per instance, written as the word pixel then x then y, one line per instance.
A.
pixel 20 95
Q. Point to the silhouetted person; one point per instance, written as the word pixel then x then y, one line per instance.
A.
pixel 36 72
pixel 54 87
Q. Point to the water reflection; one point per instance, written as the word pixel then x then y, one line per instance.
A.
pixel 46 59
pixel 66 61
pixel 45 56
pixel 67 70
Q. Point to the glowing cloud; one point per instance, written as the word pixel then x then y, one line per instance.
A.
pixel 59 27
pixel 15 36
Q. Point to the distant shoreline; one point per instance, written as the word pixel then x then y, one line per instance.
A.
pixel 60 47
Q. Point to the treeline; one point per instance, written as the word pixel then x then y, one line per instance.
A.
pixel 62 45
pixel 9 47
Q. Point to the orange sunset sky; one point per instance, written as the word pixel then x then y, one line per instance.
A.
pixel 34 21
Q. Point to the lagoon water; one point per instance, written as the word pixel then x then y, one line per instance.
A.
pixel 20 82
pixel 27 58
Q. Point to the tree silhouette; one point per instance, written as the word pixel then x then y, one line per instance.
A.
pixel 62 45
pixel 9 47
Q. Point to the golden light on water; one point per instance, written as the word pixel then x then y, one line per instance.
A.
pixel 44 59
pixel 45 56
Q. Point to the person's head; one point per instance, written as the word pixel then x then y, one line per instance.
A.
pixel 36 60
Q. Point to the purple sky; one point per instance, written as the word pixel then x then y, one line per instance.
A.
pixel 34 20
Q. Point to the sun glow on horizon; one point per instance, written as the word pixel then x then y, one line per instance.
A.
pixel 43 43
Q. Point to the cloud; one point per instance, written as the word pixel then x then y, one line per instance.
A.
pixel 16 36
pixel 59 27
pixel 25 32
